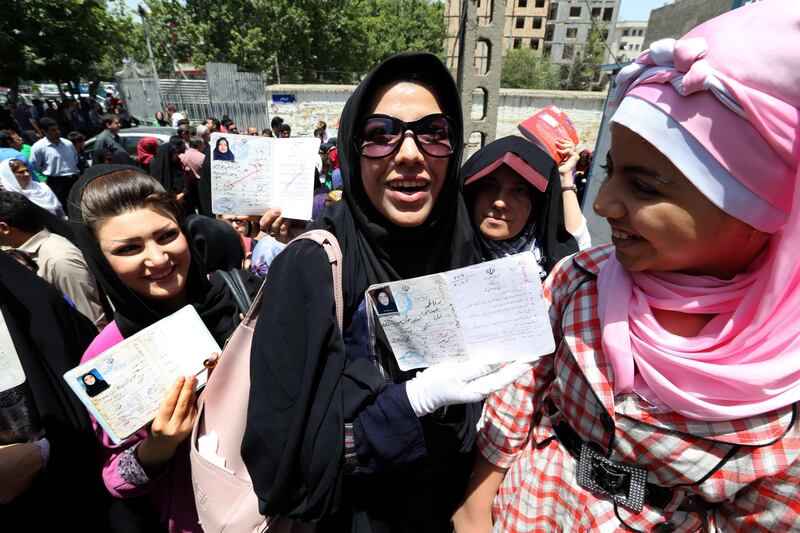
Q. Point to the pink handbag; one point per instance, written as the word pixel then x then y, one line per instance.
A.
pixel 224 494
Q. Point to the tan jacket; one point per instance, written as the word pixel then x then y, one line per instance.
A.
pixel 61 263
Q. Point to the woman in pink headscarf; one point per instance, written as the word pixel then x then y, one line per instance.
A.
pixel 670 403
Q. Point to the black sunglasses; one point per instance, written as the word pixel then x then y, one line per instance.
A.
pixel 379 136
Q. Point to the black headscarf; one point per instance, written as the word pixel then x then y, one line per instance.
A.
pixel 223 156
pixel 386 252
pixel 50 338
pixel 214 303
pixel 100 154
pixel 217 245
pixel 204 185
pixel 303 385
pixel 169 173
pixel 121 157
pixel 547 215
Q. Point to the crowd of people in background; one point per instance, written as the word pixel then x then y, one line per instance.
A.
pixel 82 115
pixel 42 164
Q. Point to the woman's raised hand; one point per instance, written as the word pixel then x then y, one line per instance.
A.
pixel 569 159
pixel 175 417
pixel 277 227
pixel 171 426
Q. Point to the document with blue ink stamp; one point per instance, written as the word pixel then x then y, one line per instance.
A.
pixel 124 386
pixel 494 311
pixel 251 174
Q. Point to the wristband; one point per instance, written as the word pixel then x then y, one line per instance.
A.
pixel 572 188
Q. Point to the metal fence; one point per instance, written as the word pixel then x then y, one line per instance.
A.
pixel 240 95
pixel 188 96
pixel 225 91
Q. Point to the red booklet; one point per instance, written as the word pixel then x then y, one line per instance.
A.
pixel 546 127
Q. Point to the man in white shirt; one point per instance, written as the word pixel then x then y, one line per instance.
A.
pixel 175 116
pixel 55 158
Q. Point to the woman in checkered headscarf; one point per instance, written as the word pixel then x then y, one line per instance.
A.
pixel 670 403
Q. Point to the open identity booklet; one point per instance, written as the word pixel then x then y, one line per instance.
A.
pixel 251 174
pixel 493 311
pixel 124 386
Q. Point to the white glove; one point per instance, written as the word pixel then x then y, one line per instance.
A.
pixel 455 383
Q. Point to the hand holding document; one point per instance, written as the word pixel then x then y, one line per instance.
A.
pixel 124 387
pixel 493 312
pixel 452 383
pixel 251 174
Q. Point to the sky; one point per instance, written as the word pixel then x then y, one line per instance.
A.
pixel 639 9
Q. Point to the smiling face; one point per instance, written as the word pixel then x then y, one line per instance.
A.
pixel 149 253
pixel 501 204
pixel 404 186
pixel 89 379
pixel 661 222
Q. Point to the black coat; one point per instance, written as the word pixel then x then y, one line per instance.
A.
pixel 304 388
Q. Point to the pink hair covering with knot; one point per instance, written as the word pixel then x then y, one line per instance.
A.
pixel 731 84
pixel 727 107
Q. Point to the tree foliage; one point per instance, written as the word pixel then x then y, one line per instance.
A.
pixel 310 40
pixel 523 69
pixel 59 41
pixel 584 73
pixel 307 40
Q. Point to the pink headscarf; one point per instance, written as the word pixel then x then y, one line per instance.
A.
pixel 723 103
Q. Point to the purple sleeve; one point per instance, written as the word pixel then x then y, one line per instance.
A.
pixel 387 435
pixel 123 475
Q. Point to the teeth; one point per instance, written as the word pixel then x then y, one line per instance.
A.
pixel 619 234
pixel 161 276
pixel 403 184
